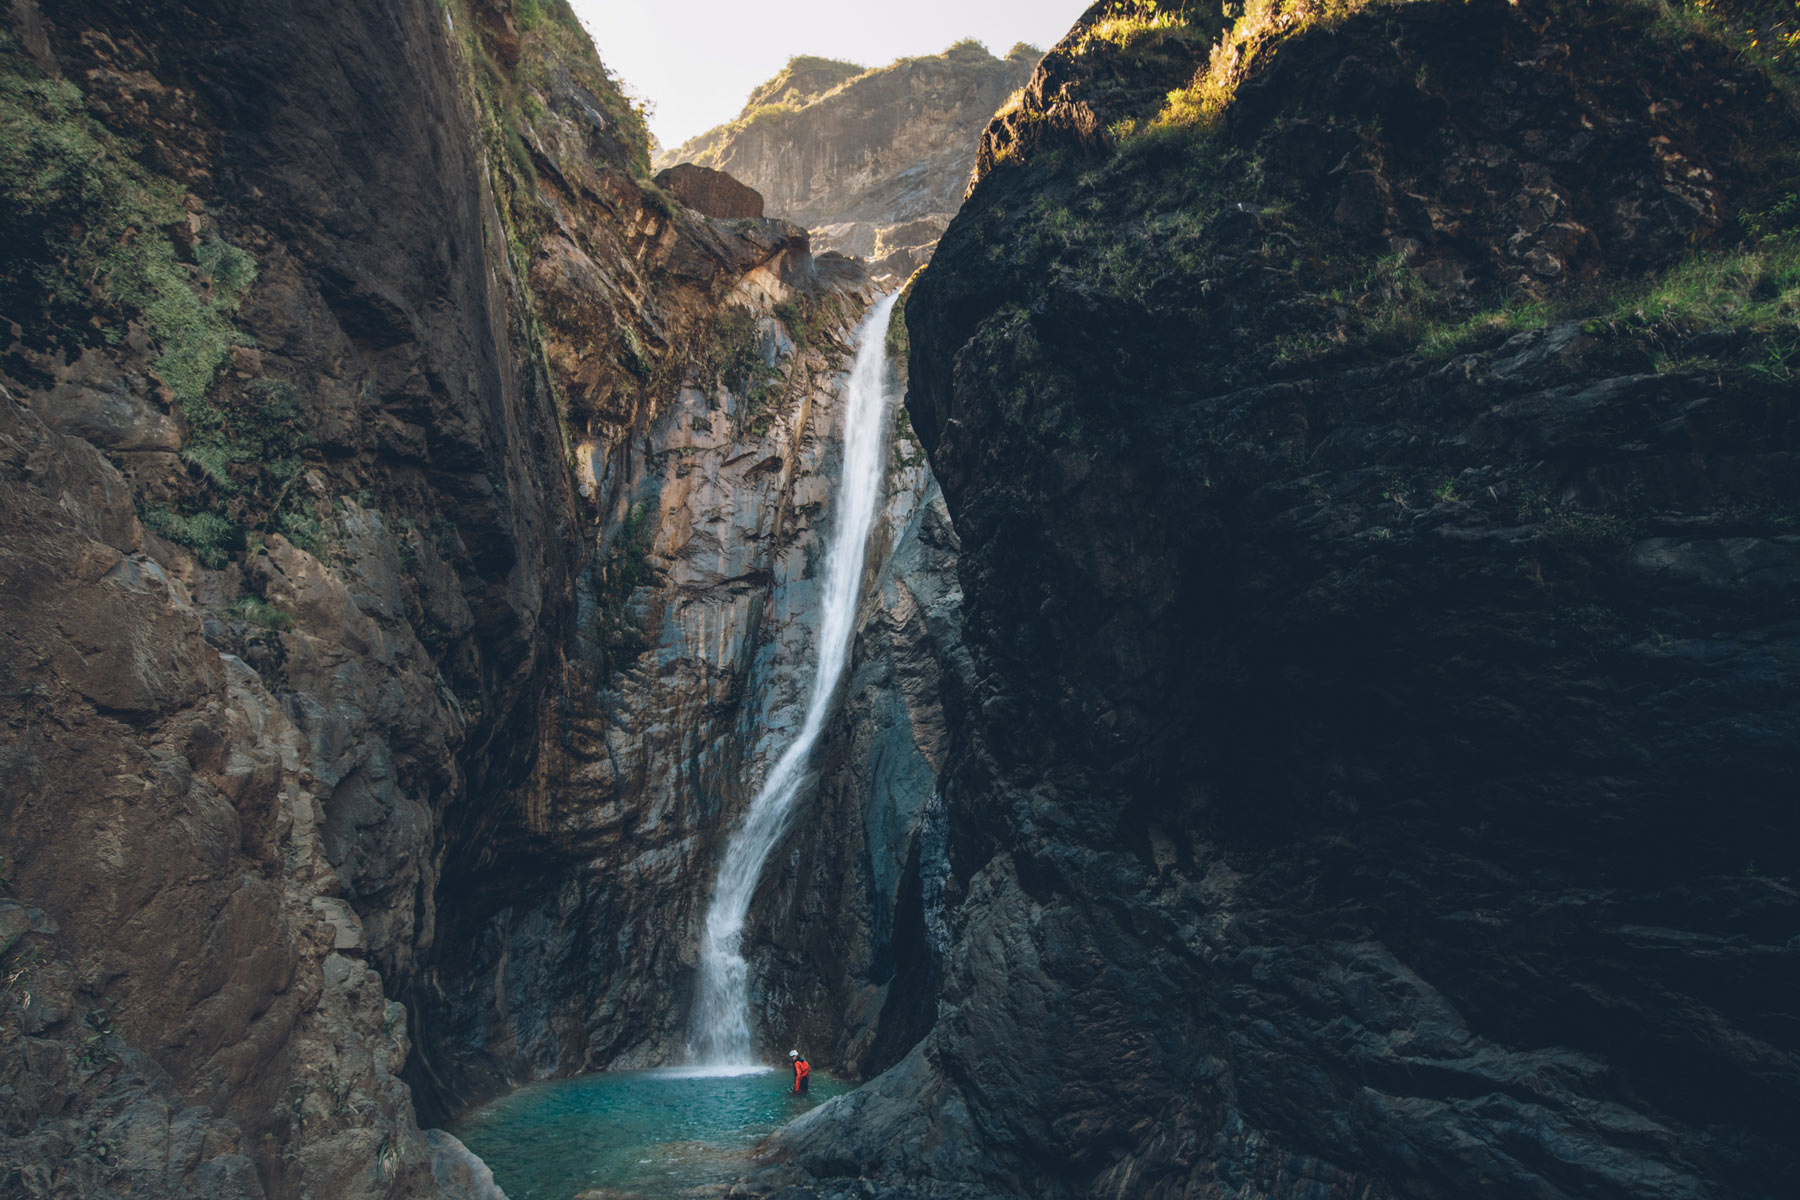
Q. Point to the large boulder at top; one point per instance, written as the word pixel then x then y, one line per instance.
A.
pixel 711 192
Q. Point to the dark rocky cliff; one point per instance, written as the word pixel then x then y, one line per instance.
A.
pixel 874 162
pixel 372 436
pixel 1372 447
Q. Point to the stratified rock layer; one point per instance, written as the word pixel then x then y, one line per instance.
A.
pixel 873 162
pixel 1378 778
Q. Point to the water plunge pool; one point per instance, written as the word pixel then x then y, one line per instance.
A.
pixel 634 1135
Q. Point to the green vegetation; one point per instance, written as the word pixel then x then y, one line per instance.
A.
pixel 519 96
pixel 897 341
pixel 89 242
pixel 1750 290
pixel 247 451
pixel 733 356
pixel 1136 24
pixel 257 611
pixel 1755 289
pixel 210 536
pixel 1221 238
pixel 93 246
pixel 1765 31
pixel 624 569
pixel 1259 27
pixel 810 318
pixel 302 525
pixel 769 117
pixel 804 79
pixel 968 48
pixel 1441 339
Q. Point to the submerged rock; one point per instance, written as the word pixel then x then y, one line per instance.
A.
pixel 459 1174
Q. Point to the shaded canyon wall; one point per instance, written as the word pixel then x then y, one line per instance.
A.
pixel 1377 779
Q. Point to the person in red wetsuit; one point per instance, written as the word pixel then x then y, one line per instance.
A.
pixel 802 1072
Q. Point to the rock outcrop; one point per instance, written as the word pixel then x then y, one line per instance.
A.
pixel 1377 538
pixel 709 192
pixel 874 162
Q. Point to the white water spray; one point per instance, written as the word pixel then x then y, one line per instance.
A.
pixel 721 1023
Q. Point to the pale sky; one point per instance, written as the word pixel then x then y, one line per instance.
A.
pixel 697 60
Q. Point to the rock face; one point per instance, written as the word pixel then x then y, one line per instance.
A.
pixel 577 946
pixel 1377 774
pixel 371 439
pixel 873 162
pixel 713 193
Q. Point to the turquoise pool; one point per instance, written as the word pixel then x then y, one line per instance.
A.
pixel 643 1135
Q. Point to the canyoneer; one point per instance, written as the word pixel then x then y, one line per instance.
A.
pixel 802 1072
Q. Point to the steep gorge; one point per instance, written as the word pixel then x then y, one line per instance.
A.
pixel 1331 735
pixel 408 514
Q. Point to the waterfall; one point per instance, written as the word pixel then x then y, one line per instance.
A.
pixel 721 1023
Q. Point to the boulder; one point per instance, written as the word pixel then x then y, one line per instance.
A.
pixel 713 193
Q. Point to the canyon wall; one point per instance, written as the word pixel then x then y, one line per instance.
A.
pixel 407 514
pixel 874 162
pixel 574 943
pixel 1371 446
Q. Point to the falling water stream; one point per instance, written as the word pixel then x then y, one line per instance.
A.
pixel 721 1020
pixel 686 1131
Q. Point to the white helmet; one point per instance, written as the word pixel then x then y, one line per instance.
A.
pixel 793 1054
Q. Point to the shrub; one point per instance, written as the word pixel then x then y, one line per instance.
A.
pixel 1259 28
pixel 734 355
pixel 1131 23
pixel 257 611
pixel 79 210
pixel 301 525
pixel 210 536
pixel 624 569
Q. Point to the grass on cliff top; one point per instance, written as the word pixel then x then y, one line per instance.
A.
pixel 1139 24
pixel 1766 32
pixel 89 239
pixel 805 78
pixel 1260 26
pixel 795 88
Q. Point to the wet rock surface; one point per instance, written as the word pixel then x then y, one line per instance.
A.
pixel 1371 762
pixel 592 967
